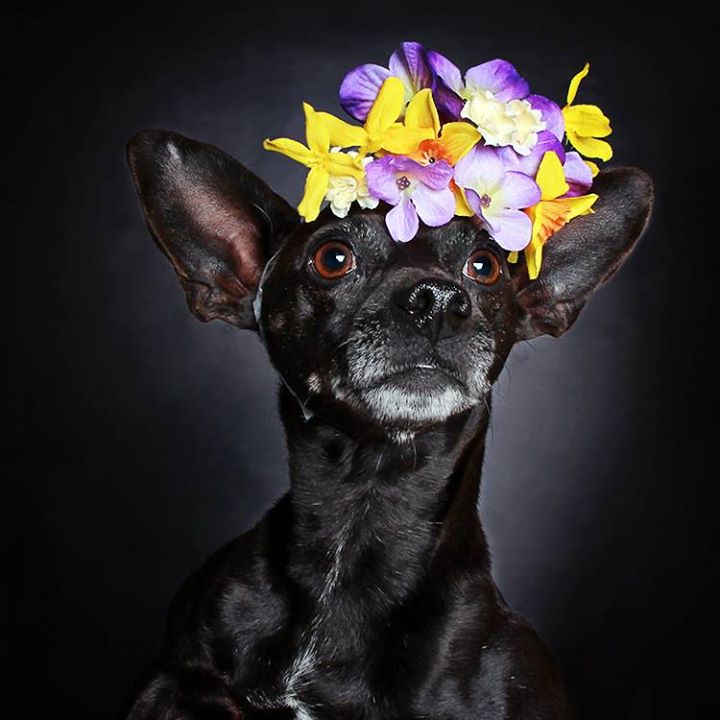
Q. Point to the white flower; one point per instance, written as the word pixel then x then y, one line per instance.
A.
pixel 527 124
pixel 514 123
pixel 344 190
pixel 489 114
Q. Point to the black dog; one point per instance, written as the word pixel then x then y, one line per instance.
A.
pixel 366 591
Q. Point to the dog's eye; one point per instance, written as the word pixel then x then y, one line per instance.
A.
pixel 483 266
pixel 333 260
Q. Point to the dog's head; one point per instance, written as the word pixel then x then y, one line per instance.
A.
pixel 400 336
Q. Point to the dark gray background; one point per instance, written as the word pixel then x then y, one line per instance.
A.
pixel 144 439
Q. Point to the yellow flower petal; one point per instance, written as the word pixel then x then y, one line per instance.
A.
pixel 589 146
pixel 579 205
pixel 533 258
pixel 587 120
pixel 387 107
pixel 316 187
pixel 458 138
pixel 548 217
pixel 462 208
pixel 342 134
pixel 594 169
pixel 585 123
pixel 316 132
pixel 575 84
pixel 292 149
pixel 422 113
pixel 342 164
pixel 551 177
pixel 402 140
pixel 513 256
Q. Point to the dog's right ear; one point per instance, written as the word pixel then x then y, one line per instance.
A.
pixel 217 222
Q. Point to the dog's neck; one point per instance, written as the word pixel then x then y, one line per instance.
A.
pixel 373 515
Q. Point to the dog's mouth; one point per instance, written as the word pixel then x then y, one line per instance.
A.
pixel 425 376
pixel 409 384
pixel 415 393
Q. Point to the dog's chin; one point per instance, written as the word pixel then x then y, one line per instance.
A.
pixel 414 398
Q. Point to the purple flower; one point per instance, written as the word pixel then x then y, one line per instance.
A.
pixel 360 86
pixel 498 195
pixel 411 64
pixel 529 164
pixel 488 96
pixel 418 192
pixel 577 173
pixel 494 97
pixel 497 77
pixel 551 114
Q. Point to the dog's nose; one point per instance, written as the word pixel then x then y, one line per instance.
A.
pixel 436 308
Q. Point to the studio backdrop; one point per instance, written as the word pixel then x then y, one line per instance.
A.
pixel 144 440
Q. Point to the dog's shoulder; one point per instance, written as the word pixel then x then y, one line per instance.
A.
pixel 490 662
pixel 234 594
pixel 517 669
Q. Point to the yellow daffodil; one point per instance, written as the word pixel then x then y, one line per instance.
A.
pixel 584 124
pixel 323 163
pixel 449 142
pixel 552 212
pixel 381 131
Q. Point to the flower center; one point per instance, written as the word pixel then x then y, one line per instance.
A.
pixel 432 151
pixel 485 200
pixel 402 182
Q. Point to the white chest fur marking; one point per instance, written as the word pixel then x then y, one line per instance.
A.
pixel 304 663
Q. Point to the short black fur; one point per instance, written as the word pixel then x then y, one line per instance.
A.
pixel 366 591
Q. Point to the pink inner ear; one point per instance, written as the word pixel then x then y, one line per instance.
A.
pixel 230 234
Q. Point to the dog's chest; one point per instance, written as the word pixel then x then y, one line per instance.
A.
pixel 303 689
pixel 336 657
pixel 327 661
pixel 318 673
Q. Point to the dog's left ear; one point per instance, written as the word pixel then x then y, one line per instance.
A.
pixel 584 254
pixel 216 222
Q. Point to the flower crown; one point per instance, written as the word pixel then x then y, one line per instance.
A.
pixel 435 144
